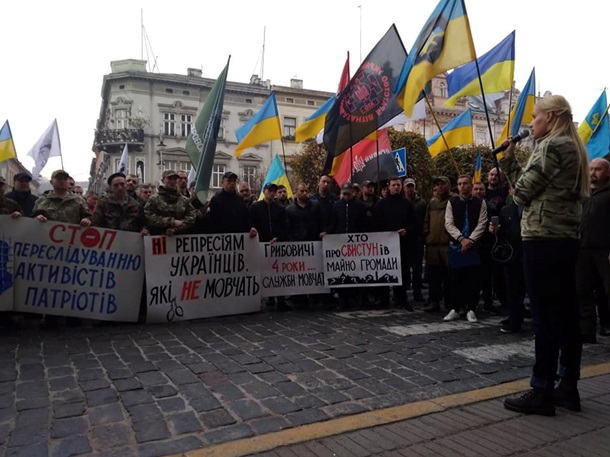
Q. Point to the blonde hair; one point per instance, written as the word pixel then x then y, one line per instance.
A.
pixel 564 126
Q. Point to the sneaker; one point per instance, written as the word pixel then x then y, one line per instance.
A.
pixel 452 316
pixel 506 328
pixel 472 317
pixel 567 396
pixel 536 401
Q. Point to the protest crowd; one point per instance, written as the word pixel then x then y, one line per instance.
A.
pixel 461 252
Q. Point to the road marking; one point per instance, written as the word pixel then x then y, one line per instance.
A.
pixel 437 327
pixel 274 440
pixel 498 352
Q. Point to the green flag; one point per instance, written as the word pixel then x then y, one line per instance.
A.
pixel 201 143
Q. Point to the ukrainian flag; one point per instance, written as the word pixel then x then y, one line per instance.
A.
pixel 264 126
pixel 277 175
pixel 595 130
pixel 497 69
pixel 7 147
pixel 522 113
pixel 477 169
pixel 444 43
pixel 315 122
pixel 456 133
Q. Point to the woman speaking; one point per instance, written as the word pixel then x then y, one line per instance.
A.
pixel 550 189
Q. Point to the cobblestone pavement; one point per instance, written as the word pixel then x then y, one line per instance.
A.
pixel 481 429
pixel 122 390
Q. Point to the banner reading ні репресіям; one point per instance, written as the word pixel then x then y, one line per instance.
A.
pixel 69 270
pixel 194 276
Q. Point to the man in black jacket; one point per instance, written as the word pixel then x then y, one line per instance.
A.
pixel 326 199
pixel 303 217
pixel 593 269
pixel 21 193
pixel 396 214
pixel 227 212
pixel 267 217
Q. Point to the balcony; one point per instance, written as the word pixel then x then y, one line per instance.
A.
pixel 118 137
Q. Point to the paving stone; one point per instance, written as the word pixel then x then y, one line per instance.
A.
pixel 306 416
pixel 101 397
pixel 216 418
pixel 269 424
pixel 246 409
pixel 163 391
pixel 31 389
pixel 27 435
pixel 32 403
pixel 62 428
pixel 90 374
pixel 95 384
pixel 145 413
pixel 108 436
pixel 152 378
pixel 123 385
pixel 280 405
pixel 344 409
pixel 228 392
pixel 151 431
pixel 142 367
pixel 105 414
pixel 183 376
pixel 136 397
pixel 204 403
pixel 64 410
pixel 34 450
pixel 177 446
pixel 64 383
pixel 308 401
pixel 231 433
pixel 171 405
pixel 260 390
pixel 73 445
pixel 119 373
pixel 182 423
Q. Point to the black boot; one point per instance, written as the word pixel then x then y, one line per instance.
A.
pixel 536 401
pixel 567 396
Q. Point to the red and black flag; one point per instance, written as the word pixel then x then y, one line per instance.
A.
pixel 367 102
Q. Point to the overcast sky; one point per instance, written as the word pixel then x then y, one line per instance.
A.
pixel 54 54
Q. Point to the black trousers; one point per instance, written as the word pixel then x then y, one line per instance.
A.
pixel 465 287
pixel 416 264
pixel 593 285
pixel 439 285
pixel 515 288
pixel 549 267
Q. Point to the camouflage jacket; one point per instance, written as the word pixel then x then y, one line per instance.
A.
pixel 166 205
pixel 110 213
pixel 9 206
pixel 71 208
pixel 549 190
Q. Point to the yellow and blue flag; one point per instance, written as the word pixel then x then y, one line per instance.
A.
pixel 594 131
pixel 277 175
pixel 497 68
pixel 315 122
pixel 456 133
pixel 477 169
pixel 264 126
pixel 7 147
pixel 444 43
pixel 522 113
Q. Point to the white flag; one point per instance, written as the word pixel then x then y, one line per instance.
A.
pixel 47 146
pixel 124 162
pixel 191 177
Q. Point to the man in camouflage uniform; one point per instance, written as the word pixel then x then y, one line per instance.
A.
pixel 117 210
pixel 167 212
pixel 61 204
pixel 132 182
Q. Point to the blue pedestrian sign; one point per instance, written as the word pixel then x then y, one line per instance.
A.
pixel 400 159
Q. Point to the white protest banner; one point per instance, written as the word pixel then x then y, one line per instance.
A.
pixel 292 268
pixel 6 265
pixel 362 259
pixel 69 270
pixel 194 276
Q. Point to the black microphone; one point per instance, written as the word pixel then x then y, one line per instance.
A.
pixel 522 134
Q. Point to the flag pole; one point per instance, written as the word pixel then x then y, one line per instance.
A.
pixel 491 135
pixel 377 148
pixel 283 154
pixel 61 157
pixel 440 130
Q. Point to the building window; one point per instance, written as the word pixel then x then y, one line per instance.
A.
pixel 289 100
pixel 290 125
pixel 186 92
pixel 169 124
pixel 169 91
pixel 217 171
pixel 185 124
pixel 221 130
pixel 122 86
pixel 249 174
pixel 442 89
pixel 121 119
pixel 169 165
pixel 311 103
pixel 185 166
pixel 249 100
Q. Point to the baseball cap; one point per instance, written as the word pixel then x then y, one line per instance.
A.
pixel 347 188
pixel 444 179
pixel 22 177
pixel 270 186
pixel 114 175
pixel 367 183
pixel 58 173
pixel 409 181
pixel 356 186
pixel 169 173
pixel 229 175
